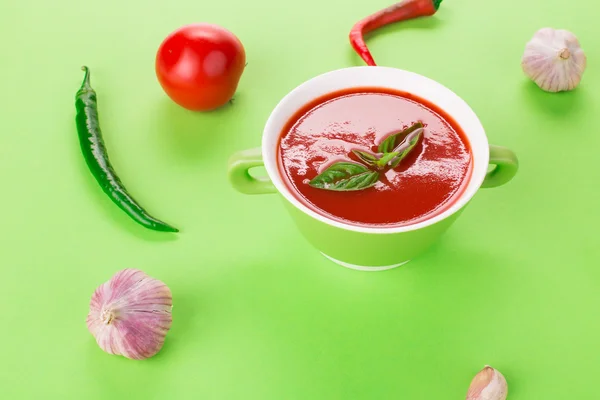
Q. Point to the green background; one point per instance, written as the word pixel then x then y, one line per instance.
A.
pixel 258 314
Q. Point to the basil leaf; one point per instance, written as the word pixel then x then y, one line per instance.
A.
pixel 388 145
pixel 366 157
pixel 406 146
pixel 357 182
pixel 386 158
pixel 345 176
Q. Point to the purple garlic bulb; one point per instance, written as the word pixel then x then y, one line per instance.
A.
pixel 130 314
pixel 554 60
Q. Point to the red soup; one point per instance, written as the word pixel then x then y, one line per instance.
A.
pixel 330 129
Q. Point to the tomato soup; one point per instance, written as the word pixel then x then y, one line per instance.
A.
pixel 425 183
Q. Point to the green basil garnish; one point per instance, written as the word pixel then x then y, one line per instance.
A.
pixel 386 158
pixel 390 143
pixel 345 176
pixel 366 157
pixel 406 146
pixel 350 176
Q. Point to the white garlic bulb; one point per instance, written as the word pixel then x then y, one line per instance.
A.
pixel 488 384
pixel 131 314
pixel 554 60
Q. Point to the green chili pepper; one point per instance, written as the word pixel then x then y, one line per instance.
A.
pixel 96 157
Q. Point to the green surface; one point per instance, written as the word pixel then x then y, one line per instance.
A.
pixel 258 313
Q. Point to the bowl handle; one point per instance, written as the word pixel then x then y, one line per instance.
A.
pixel 506 166
pixel 239 173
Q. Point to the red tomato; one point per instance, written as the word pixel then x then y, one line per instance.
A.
pixel 199 66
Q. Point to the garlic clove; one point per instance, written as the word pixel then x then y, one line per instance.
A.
pixel 554 60
pixel 488 384
pixel 130 314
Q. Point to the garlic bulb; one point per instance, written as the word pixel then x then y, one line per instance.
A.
pixel 131 314
pixel 554 60
pixel 488 384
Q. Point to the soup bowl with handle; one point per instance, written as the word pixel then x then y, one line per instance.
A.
pixel 370 248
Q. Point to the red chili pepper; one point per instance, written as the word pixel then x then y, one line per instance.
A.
pixel 402 11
